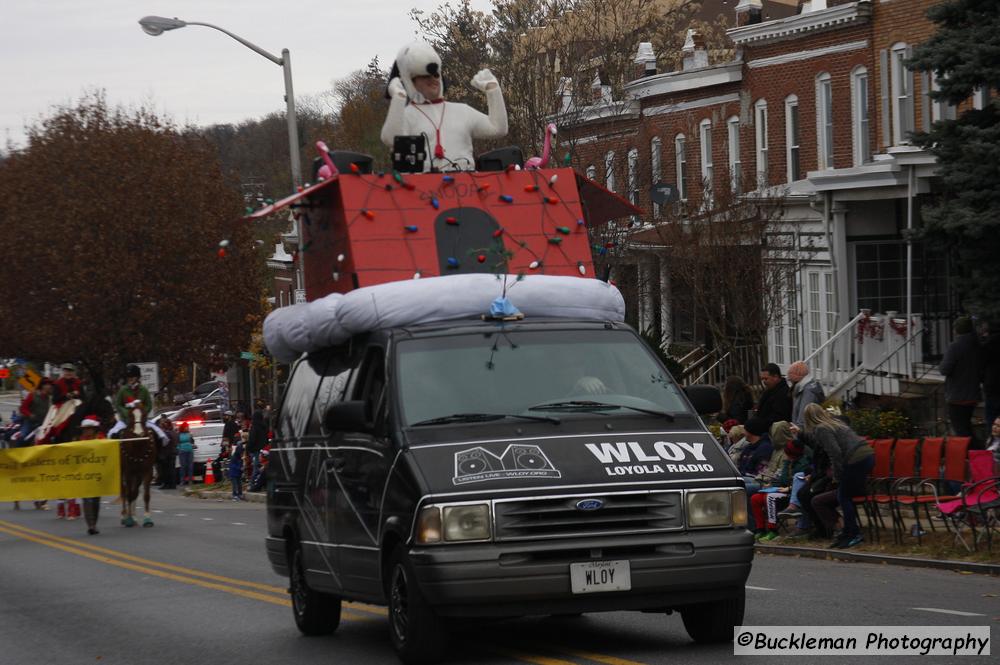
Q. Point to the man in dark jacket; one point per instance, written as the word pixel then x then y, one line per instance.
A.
pixel 776 401
pixel 962 368
pixel 258 435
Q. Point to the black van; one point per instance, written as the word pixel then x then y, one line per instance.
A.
pixel 496 469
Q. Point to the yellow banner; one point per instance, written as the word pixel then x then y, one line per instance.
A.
pixel 61 471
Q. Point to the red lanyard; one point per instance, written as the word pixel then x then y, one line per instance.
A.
pixel 438 149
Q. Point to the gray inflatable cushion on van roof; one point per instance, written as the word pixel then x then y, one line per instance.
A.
pixel 290 331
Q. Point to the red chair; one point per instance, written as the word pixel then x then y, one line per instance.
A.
pixel 905 490
pixel 881 470
pixel 904 465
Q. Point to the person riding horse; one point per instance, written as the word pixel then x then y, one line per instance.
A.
pixel 138 446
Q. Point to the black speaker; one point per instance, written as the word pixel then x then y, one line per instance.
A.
pixel 343 159
pixel 409 153
pixel 500 159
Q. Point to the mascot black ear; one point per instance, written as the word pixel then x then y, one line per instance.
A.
pixel 392 74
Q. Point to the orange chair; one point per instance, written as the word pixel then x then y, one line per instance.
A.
pixel 930 469
pixel 881 470
pixel 904 465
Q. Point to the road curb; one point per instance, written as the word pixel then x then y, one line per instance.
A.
pixel 252 497
pixel 889 559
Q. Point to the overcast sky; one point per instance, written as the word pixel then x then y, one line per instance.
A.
pixel 51 51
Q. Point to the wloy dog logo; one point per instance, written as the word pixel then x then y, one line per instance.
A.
pixel 477 464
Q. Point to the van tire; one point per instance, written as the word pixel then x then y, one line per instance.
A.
pixel 315 613
pixel 712 623
pixel 417 633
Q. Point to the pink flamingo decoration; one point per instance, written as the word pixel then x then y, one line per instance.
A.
pixel 328 169
pixel 543 161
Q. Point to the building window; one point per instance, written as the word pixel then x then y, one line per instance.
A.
pixel 902 95
pixel 680 155
pixel 705 137
pixel 792 137
pixel 733 134
pixel 860 122
pixel 941 110
pixel 980 98
pixel 760 131
pixel 609 170
pixel 824 120
pixel 592 172
pixel 633 180
pixel 655 168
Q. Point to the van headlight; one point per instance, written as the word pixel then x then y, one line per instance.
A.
pixel 452 524
pixel 469 522
pixel 711 508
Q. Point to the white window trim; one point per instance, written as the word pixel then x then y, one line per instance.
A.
pixel 792 101
pixel 655 167
pixel 680 163
pixel 760 121
pixel 592 172
pixel 903 120
pixel 824 122
pixel 609 170
pixel 735 163
pixel 632 180
pixel 705 146
pixel 941 110
pixel 860 138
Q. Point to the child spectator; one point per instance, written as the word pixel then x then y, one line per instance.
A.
pixel 236 468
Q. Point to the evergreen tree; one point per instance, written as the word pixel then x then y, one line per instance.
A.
pixel 964 54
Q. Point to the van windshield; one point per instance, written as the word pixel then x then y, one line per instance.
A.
pixel 519 373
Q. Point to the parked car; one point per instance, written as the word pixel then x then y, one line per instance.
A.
pixel 208 444
pixel 218 397
pixel 197 415
pixel 202 390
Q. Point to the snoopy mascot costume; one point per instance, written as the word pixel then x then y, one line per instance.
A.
pixel 417 106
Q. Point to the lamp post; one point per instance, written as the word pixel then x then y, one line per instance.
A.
pixel 157 25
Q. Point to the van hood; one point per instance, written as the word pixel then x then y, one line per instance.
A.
pixel 553 462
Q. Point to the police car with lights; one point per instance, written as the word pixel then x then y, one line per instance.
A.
pixel 449 464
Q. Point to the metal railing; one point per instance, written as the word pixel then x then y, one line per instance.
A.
pixel 838 359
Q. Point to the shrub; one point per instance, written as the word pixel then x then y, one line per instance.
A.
pixel 880 424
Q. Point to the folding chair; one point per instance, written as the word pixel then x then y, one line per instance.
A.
pixel 881 470
pixel 905 490
pixel 976 503
pixel 904 465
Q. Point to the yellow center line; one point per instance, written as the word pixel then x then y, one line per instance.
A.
pixel 275 595
pixel 188 572
pixel 253 595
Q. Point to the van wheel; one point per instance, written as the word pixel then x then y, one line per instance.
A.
pixel 315 613
pixel 417 633
pixel 712 623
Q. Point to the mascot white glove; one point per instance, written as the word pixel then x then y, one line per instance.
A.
pixel 484 80
pixel 396 88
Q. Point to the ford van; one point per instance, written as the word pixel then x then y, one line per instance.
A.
pixel 485 468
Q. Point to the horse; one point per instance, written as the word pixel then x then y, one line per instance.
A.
pixel 138 456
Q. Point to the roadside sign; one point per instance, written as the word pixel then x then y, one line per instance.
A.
pixel 248 355
pixel 30 379
pixel 150 376
pixel 300 296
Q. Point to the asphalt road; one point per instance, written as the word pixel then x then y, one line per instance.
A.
pixel 197 588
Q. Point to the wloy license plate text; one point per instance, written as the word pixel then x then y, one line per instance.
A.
pixel 596 576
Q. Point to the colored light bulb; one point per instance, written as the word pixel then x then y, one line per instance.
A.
pixel 435 203
pixel 506 199
pixel 451 220
pixel 531 188
pixel 534 265
pixel 498 233
pixel 368 213
pixel 411 228
pixel 452 262
pixel 555 240
pixel 551 200
pixel 563 230
pixel 582 268
pixel 481 258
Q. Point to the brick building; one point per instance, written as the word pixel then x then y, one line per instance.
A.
pixel 816 108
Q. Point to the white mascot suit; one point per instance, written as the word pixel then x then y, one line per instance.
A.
pixel 449 127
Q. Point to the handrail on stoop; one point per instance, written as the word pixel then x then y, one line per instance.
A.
pixel 887 358
pixel 836 336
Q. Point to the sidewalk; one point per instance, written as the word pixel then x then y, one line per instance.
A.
pixel 222 492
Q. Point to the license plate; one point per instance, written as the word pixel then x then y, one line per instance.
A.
pixel 597 576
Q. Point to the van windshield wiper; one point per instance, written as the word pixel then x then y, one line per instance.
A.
pixel 482 417
pixel 589 405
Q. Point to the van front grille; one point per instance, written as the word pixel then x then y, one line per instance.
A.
pixel 559 517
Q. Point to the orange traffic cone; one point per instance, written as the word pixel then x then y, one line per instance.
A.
pixel 209 474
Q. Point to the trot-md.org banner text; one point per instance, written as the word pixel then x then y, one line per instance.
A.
pixel 60 471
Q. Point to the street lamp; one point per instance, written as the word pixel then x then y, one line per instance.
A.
pixel 157 25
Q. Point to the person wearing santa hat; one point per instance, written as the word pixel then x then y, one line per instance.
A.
pixel 89 430
pixel 417 107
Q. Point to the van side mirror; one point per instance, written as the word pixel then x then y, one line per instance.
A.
pixel 705 399
pixel 346 417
